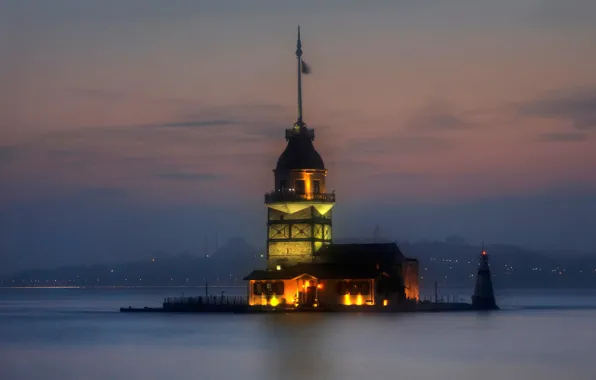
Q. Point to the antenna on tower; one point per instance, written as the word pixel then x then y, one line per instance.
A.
pixel 299 57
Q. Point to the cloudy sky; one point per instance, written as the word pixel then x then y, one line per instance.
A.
pixel 132 126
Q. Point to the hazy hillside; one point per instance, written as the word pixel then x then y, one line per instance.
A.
pixel 228 265
pixel 451 263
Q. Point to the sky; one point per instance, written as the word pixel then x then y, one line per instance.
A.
pixel 133 126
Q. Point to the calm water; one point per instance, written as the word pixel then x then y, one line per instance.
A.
pixel 78 334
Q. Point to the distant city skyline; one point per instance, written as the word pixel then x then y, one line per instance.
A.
pixel 133 126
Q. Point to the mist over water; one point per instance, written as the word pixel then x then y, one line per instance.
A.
pixel 78 334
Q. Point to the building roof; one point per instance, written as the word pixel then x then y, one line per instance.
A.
pixel 341 261
pixel 383 254
pixel 300 153
pixel 319 270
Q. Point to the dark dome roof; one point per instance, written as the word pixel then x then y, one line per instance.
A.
pixel 300 154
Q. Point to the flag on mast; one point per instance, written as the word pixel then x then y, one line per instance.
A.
pixel 304 67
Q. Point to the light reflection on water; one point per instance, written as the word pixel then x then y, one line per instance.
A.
pixel 77 334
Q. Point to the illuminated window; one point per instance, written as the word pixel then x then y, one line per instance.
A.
pixel 316 186
pixel 257 288
pixel 278 288
pixel 363 288
pixel 268 288
pixel 354 288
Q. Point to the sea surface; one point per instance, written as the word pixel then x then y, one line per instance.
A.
pixel 79 334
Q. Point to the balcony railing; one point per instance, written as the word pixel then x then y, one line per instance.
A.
pixel 292 196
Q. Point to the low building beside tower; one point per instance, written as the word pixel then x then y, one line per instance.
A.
pixel 339 275
pixel 304 269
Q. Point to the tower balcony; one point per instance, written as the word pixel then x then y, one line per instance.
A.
pixel 292 196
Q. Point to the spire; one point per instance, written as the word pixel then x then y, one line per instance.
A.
pixel 299 57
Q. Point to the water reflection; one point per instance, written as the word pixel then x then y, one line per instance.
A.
pixel 295 346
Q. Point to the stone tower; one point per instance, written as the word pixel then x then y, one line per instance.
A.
pixel 484 296
pixel 299 209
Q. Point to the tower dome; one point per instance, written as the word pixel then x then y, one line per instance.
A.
pixel 300 152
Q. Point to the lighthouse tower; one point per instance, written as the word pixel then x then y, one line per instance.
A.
pixel 484 296
pixel 299 208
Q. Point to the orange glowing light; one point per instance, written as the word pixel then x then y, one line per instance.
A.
pixel 274 302
pixel 307 284
pixel 483 253
pixel 385 302
pixel 347 300
pixel 320 286
pixel 359 300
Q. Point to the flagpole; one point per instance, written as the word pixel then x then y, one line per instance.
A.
pixel 299 57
